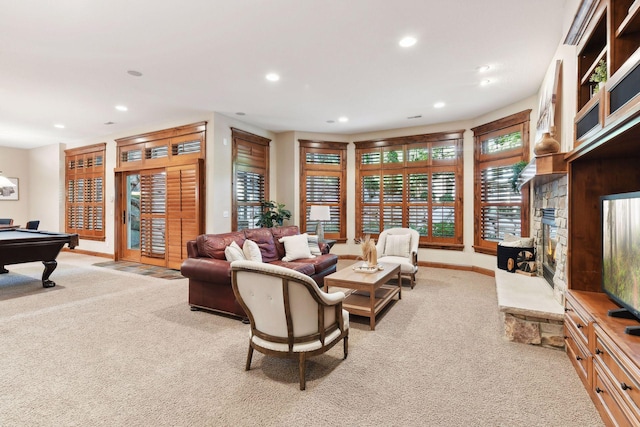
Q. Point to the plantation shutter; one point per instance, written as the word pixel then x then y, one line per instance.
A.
pixel 182 211
pixel 153 192
pixel 251 182
pixel 443 213
pixel 501 205
pixel 323 188
pixel 85 192
pixel 250 194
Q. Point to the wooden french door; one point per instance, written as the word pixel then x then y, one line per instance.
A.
pixel 160 213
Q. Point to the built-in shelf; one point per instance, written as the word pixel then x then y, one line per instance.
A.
pixel 543 169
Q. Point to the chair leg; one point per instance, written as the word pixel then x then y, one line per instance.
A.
pixel 303 366
pixel 413 280
pixel 346 346
pixel 249 356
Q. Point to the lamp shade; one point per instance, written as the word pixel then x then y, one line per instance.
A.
pixel 320 213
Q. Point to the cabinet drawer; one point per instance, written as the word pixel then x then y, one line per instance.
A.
pixel 608 400
pixel 579 355
pixel 580 320
pixel 620 371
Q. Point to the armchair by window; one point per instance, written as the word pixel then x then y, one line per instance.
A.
pixel 400 246
pixel 290 316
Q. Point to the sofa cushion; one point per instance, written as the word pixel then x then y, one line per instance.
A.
pixel 251 251
pixel 296 247
pixel 300 267
pixel 265 241
pixel 280 232
pixel 234 252
pixel 213 245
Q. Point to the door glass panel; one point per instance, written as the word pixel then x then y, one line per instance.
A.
pixel 133 212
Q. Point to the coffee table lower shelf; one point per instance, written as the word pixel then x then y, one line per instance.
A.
pixel 359 302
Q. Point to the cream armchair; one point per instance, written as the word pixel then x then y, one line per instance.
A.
pixel 290 316
pixel 400 246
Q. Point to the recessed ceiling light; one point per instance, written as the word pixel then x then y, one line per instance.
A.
pixel 483 68
pixel 407 41
pixel 485 82
pixel 439 104
pixel 134 73
pixel 121 108
pixel 59 126
pixel 343 119
pixel 272 77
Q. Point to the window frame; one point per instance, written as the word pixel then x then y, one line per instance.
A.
pixel 338 170
pixel 97 203
pixel 518 121
pixel 258 164
pixel 404 167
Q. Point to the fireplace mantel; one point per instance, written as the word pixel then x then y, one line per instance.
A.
pixel 543 169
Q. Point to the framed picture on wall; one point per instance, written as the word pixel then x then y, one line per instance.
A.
pixel 10 192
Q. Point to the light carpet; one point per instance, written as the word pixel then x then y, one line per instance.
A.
pixel 110 348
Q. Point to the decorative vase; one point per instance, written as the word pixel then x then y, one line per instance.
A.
pixel 546 145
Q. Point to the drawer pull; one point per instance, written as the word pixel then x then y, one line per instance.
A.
pixel 598 351
pixel 566 337
pixel 567 309
pixel 599 390
pixel 625 387
pixel 578 358
pixel 579 325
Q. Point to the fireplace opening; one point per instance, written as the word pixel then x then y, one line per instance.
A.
pixel 549 242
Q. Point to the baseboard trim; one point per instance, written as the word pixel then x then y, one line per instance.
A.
pixel 475 269
pixel 84 252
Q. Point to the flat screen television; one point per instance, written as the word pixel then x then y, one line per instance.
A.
pixel 621 253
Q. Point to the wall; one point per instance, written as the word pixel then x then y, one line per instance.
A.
pixel 46 193
pixel 14 163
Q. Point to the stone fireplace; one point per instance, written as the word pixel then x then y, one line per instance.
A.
pixel 550 230
pixel 549 244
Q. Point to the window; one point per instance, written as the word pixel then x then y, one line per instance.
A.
pixel 324 174
pixel 499 208
pixel 251 177
pixel 84 202
pixel 412 182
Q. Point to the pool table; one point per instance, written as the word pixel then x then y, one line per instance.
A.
pixel 21 245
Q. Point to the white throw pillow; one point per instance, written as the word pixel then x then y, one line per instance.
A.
pixel 522 242
pixel 398 245
pixel 251 251
pixel 296 247
pixel 313 245
pixel 233 252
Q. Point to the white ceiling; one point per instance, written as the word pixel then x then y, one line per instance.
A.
pixel 66 61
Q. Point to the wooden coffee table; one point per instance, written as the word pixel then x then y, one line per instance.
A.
pixel 371 292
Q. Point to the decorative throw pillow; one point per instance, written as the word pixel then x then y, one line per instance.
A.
pixel 313 245
pixel 398 245
pixel 251 251
pixel 296 247
pixel 520 242
pixel 233 252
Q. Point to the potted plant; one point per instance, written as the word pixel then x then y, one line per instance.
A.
pixel 273 214
pixel 599 75
pixel 517 168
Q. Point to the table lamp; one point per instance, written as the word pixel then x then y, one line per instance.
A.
pixel 320 213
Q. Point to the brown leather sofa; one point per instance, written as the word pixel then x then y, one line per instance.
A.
pixel 209 272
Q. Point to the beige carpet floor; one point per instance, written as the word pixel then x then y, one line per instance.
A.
pixel 111 348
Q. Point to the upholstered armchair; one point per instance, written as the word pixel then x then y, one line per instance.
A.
pixel 400 246
pixel 290 316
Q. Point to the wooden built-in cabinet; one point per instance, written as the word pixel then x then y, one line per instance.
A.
pixel 604 161
pixel 613 35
